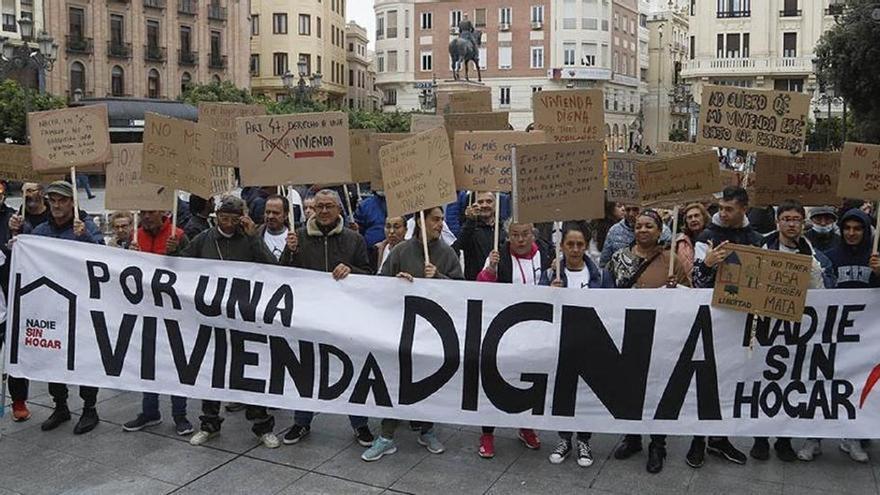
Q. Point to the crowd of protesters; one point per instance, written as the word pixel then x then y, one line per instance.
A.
pixel 630 247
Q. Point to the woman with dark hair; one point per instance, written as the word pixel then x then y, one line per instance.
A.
pixel 613 214
pixel 645 265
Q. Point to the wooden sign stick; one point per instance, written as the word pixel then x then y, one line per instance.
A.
pixel 557 240
pixel 497 217
pixel 348 202
pixel 673 247
pixel 424 234
pixel 174 215
pixel 134 234
pixel 876 233
pixel 75 195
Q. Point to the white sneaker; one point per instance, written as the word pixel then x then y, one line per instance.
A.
pixel 811 448
pixel 201 437
pixel 854 449
pixel 270 441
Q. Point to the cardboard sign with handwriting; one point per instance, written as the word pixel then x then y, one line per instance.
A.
pixel 222 180
pixel 681 148
pixel 15 164
pixel 420 122
pixel 859 171
pixel 493 121
pixel 69 137
pixel 482 158
pixel 470 101
pixel 731 178
pixel 220 117
pixel 359 144
pixel 763 282
pixel 125 188
pixel 417 173
pixel 570 114
pixel 623 178
pixel 766 121
pixel 678 180
pixel 306 148
pixel 558 182
pixel 376 142
pixel 177 154
pixel 811 179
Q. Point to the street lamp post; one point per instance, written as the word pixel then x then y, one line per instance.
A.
pixel 659 80
pixel 300 92
pixel 17 57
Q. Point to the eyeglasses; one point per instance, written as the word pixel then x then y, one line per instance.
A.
pixel 791 221
pixel 324 207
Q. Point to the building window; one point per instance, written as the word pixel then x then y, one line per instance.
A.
pixel 733 8
pixel 392 60
pixel 796 85
pixel 305 57
pixel 319 65
pixel 591 15
pixel 643 20
pixel 117 31
pixel 427 61
pixel 590 51
pixel 318 27
pixel 76 23
pixel 153 86
pixel 216 47
pixel 479 17
pixel 185 82
pixel 255 64
pixel 380 26
pixel 537 57
pixel 745 50
pixel 693 7
pixel 505 96
pixel 538 13
pixel 427 20
pixel 790 9
pixel 505 15
pixel 255 25
pixel 279 63
pixel 185 40
pixel 279 23
pixel 569 14
pixel 693 48
pixel 568 56
pixel 789 45
pixel 505 57
pixel 454 18
pixel 380 62
pixel 390 97
pixel 305 25
pixel 406 25
pixel 391 20
pixel 117 81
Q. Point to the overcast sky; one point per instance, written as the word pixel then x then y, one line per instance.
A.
pixel 361 11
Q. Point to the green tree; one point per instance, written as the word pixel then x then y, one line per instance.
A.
pixel 827 134
pixel 15 101
pixel 845 55
pixel 678 135
pixel 223 91
pixel 379 121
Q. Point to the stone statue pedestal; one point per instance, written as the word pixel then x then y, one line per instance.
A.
pixel 448 87
pixel 452 85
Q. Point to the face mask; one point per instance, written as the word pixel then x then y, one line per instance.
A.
pixel 823 229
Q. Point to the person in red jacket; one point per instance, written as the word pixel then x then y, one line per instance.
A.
pixel 156 235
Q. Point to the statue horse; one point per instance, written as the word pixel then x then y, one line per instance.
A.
pixel 464 49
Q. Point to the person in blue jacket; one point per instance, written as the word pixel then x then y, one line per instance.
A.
pixel 370 217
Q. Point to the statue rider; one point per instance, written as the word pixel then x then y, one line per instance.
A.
pixel 466 29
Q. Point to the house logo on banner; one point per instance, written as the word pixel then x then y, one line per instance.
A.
pixel 45 330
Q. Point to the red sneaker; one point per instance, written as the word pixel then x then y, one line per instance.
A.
pixel 529 438
pixel 487 446
pixel 20 411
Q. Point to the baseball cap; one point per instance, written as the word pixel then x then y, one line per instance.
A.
pixel 231 204
pixel 61 188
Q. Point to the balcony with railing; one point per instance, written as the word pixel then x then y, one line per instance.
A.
pixel 790 13
pixel 154 4
pixel 216 13
pixel 118 49
pixel 733 14
pixel 217 61
pixel 718 67
pixel 187 58
pixel 119 1
pixel 154 53
pixel 9 23
pixel 835 9
pixel 78 44
pixel 187 7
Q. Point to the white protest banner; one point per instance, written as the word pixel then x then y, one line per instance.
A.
pixel 482 158
pixel 305 148
pixel 558 182
pixel 753 119
pixel 220 118
pixel 69 137
pixel 570 114
pixel 603 360
pixel 417 173
pixel 125 188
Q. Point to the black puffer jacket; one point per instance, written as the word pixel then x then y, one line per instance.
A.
pixel 317 251
pixel 212 245
pixel 703 276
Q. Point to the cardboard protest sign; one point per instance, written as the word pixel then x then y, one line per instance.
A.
pixel 859 171
pixel 681 148
pixel 220 117
pixel 470 101
pixel 570 114
pixel 672 181
pixel 558 182
pixel 177 154
pixel 763 282
pixel 811 179
pixel 222 180
pixel 731 178
pixel 493 121
pixel 69 137
pixel 482 158
pixel 420 122
pixel 417 173
pixel 623 179
pixel 359 144
pixel 15 164
pixel 305 148
pixel 376 142
pixel 772 122
pixel 125 188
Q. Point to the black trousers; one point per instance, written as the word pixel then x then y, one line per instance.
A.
pixel 211 420
pixel 59 394
pixel 656 440
pixel 18 388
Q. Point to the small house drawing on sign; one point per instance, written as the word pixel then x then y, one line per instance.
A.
pixel 729 274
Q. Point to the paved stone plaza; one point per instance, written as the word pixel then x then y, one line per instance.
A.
pixel 111 461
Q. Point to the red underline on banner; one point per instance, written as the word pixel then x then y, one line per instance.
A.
pixel 314 154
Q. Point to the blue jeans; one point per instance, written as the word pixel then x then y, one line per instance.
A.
pixel 150 406
pixel 304 418
pixel 82 180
